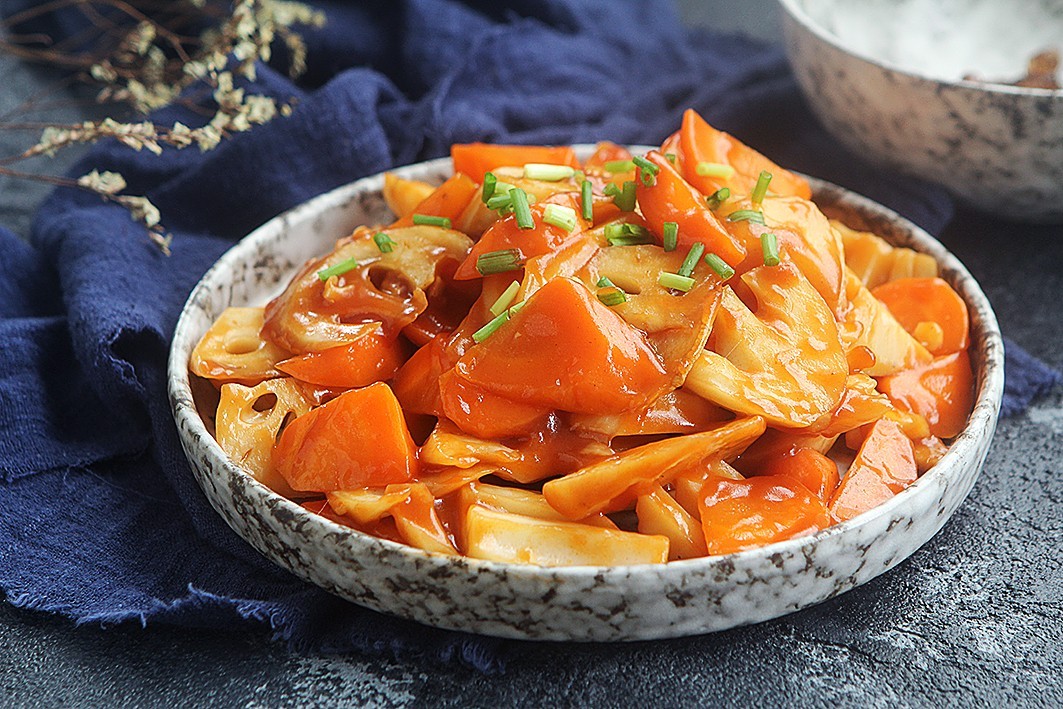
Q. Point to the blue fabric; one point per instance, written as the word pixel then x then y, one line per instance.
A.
pixel 102 520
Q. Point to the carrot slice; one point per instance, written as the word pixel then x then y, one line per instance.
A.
pixel 606 152
pixel 475 159
pixel 485 414
pixel 544 238
pixel 566 350
pixel 359 439
pixel 740 514
pixel 369 359
pixel 449 200
pixel 809 467
pixel 703 143
pixel 416 383
pixel 928 300
pixel 883 466
pixel 671 199
pixel 942 392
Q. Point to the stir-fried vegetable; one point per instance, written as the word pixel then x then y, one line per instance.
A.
pixel 640 359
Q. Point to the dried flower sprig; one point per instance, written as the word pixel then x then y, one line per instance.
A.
pixel 149 64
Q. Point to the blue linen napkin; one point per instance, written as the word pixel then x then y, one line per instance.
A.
pixel 102 520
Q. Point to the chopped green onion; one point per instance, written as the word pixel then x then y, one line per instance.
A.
pixel 769 246
pixel 521 210
pixel 429 220
pixel 338 269
pixel 718 197
pixel 670 157
pixel 383 242
pixel 612 296
pixel 611 190
pixel 714 169
pixel 761 189
pixel 585 196
pixel 505 299
pixel 517 308
pixel 746 215
pixel 720 266
pixel 645 164
pixel 671 236
pixel 691 261
pixel 489 329
pixel 674 280
pixel 499 261
pixel 604 282
pixel 560 216
pixel 626 199
pixel 500 201
pixel 503 188
pixel 547 172
pixel 627 234
pixel 615 166
pixel 490 182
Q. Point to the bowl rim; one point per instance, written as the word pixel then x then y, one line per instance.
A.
pixel 795 10
pixel 981 423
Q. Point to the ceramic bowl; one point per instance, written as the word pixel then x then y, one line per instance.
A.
pixel 886 78
pixel 579 603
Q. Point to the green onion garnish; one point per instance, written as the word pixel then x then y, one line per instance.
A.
pixel 720 266
pixel 499 261
pixel 691 261
pixel 626 199
pixel 500 201
pixel 489 186
pixel 718 197
pixel 769 246
pixel 627 234
pixel 611 190
pixel 338 269
pixel 671 236
pixel 604 282
pixel 517 308
pixel 674 280
pixel 521 210
pixel 560 216
pixel 746 215
pixel 615 166
pixel 645 164
pixel 586 205
pixel 489 329
pixel 505 299
pixel 714 169
pixel 761 190
pixel 612 296
pixel 429 220
pixel 383 242
pixel 670 157
pixel 547 172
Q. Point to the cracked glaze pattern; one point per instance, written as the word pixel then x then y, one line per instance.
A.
pixel 995 146
pixel 583 603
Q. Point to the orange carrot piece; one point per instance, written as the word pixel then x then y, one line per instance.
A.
pixel 917 300
pixel 416 383
pixel 482 413
pixel 475 159
pixel 671 199
pixel 809 467
pixel 449 200
pixel 543 239
pixel 359 439
pixel 703 143
pixel 942 392
pixel 566 350
pixel 607 152
pixel 372 358
pixel 741 514
pixel 884 465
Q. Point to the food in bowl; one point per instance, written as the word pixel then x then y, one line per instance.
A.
pixel 637 359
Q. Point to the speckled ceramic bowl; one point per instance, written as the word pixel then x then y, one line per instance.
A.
pixel 580 603
pixel 886 77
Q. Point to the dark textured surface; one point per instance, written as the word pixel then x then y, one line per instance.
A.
pixel 974 617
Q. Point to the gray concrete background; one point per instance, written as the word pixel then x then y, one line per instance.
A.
pixel 973 618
